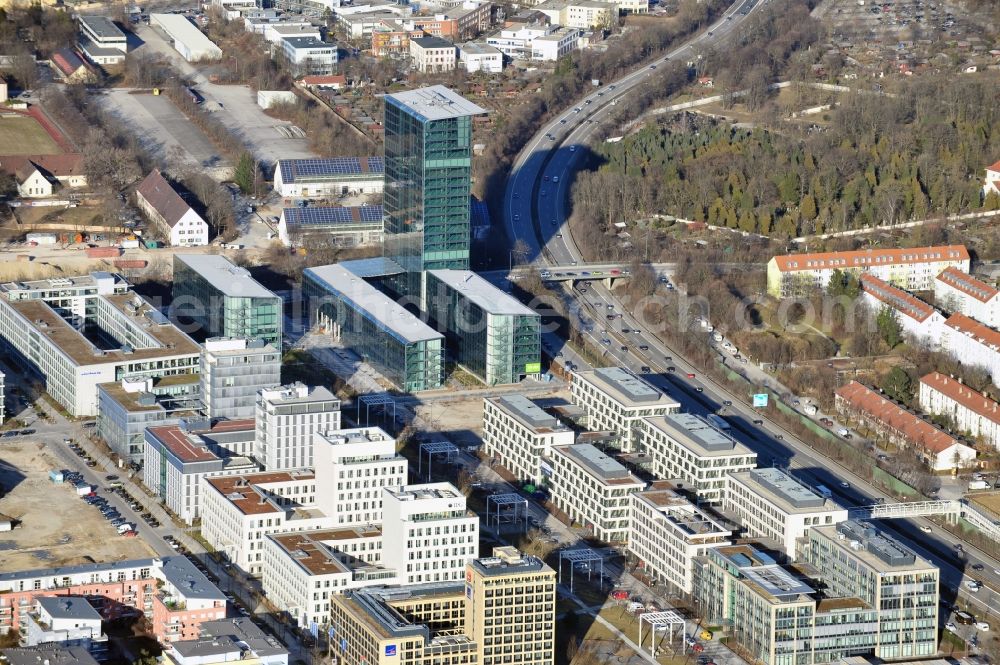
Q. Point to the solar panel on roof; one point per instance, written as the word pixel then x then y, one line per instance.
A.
pixel 332 215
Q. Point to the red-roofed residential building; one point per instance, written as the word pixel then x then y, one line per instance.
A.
pixel 955 291
pixel 166 209
pixel 971 411
pixel 915 317
pixel 71 68
pixel 992 182
pixel 912 269
pixel 939 450
pixel 973 343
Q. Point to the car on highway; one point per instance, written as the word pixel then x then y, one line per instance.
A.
pixel 606 341
pixel 645 369
pixel 699 389
pixel 642 347
pixel 559 235
pixel 572 148
pixel 727 402
pixel 555 178
pixel 978 566
pixel 690 375
pixel 845 484
pixel 671 368
pixel 925 528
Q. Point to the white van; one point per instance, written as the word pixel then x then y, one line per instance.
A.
pixel 983 626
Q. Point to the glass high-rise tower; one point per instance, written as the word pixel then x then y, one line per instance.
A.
pixel 428 171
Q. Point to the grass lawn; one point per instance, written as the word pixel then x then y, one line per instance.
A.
pixel 988 500
pixel 21 135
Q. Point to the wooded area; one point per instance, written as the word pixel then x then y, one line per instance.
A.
pixel 883 159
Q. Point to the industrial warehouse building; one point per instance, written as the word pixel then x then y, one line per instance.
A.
pixel 344 226
pixel 185 37
pixel 335 176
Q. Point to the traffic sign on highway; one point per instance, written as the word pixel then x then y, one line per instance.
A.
pixel 760 400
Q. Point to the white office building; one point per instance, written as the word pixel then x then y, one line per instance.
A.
pixel 428 535
pixel 616 400
pixel 956 291
pixel 773 505
pixel 309 56
pixel 329 177
pixel 666 532
pixel 177 457
pixel 593 490
pixel 480 57
pixel 520 435
pixel 287 419
pixel 916 318
pixel 303 570
pixel 101 40
pixel 353 466
pixel 545 43
pixel 687 447
pixel 42 324
pixel 233 371
pixel 238 512
pixel 970 412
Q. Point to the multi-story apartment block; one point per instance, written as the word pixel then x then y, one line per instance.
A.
pixel 224 300
pixel 52 654
pixel 227 641
pixel 353 466
pixel 79 332
pixel 666 533
pixel 870 409
pixel 593 490
pixel 307 55
pixel 65 620
pixel 854 558
pixel 493 335
pixel 504 611
pixel 774 615
pixel 913 269
pixel 970 411
pixel 127 407
pixel 585 14
pixel 956 291
pixel 237 512
pixel 616 400
pixel 972 342
pixel 915 317
pixel 432 54
pixel 178 456
pixel 520 435
pixel 302 571
pixel 428 535
pixel 170 592
pixel 772 505
pixel 233 371
pixel 687 447
pixel 287 418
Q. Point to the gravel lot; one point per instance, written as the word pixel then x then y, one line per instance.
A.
pixel 57 528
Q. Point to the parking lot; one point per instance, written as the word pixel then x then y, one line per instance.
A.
pixel 162 129
pixel 59 530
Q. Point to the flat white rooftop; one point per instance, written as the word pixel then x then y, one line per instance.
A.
pixel 483 294
pixel 225 276
pixel 382 309
pixel 436 102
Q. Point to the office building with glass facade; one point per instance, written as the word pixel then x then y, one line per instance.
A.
pixel 773 612
pixel 223 300
pixel 490 333
pixel 855 558
pixel 233 371
pixel 428 173
pixel 398 344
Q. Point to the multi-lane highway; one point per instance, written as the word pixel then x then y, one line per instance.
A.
pixel 535 212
